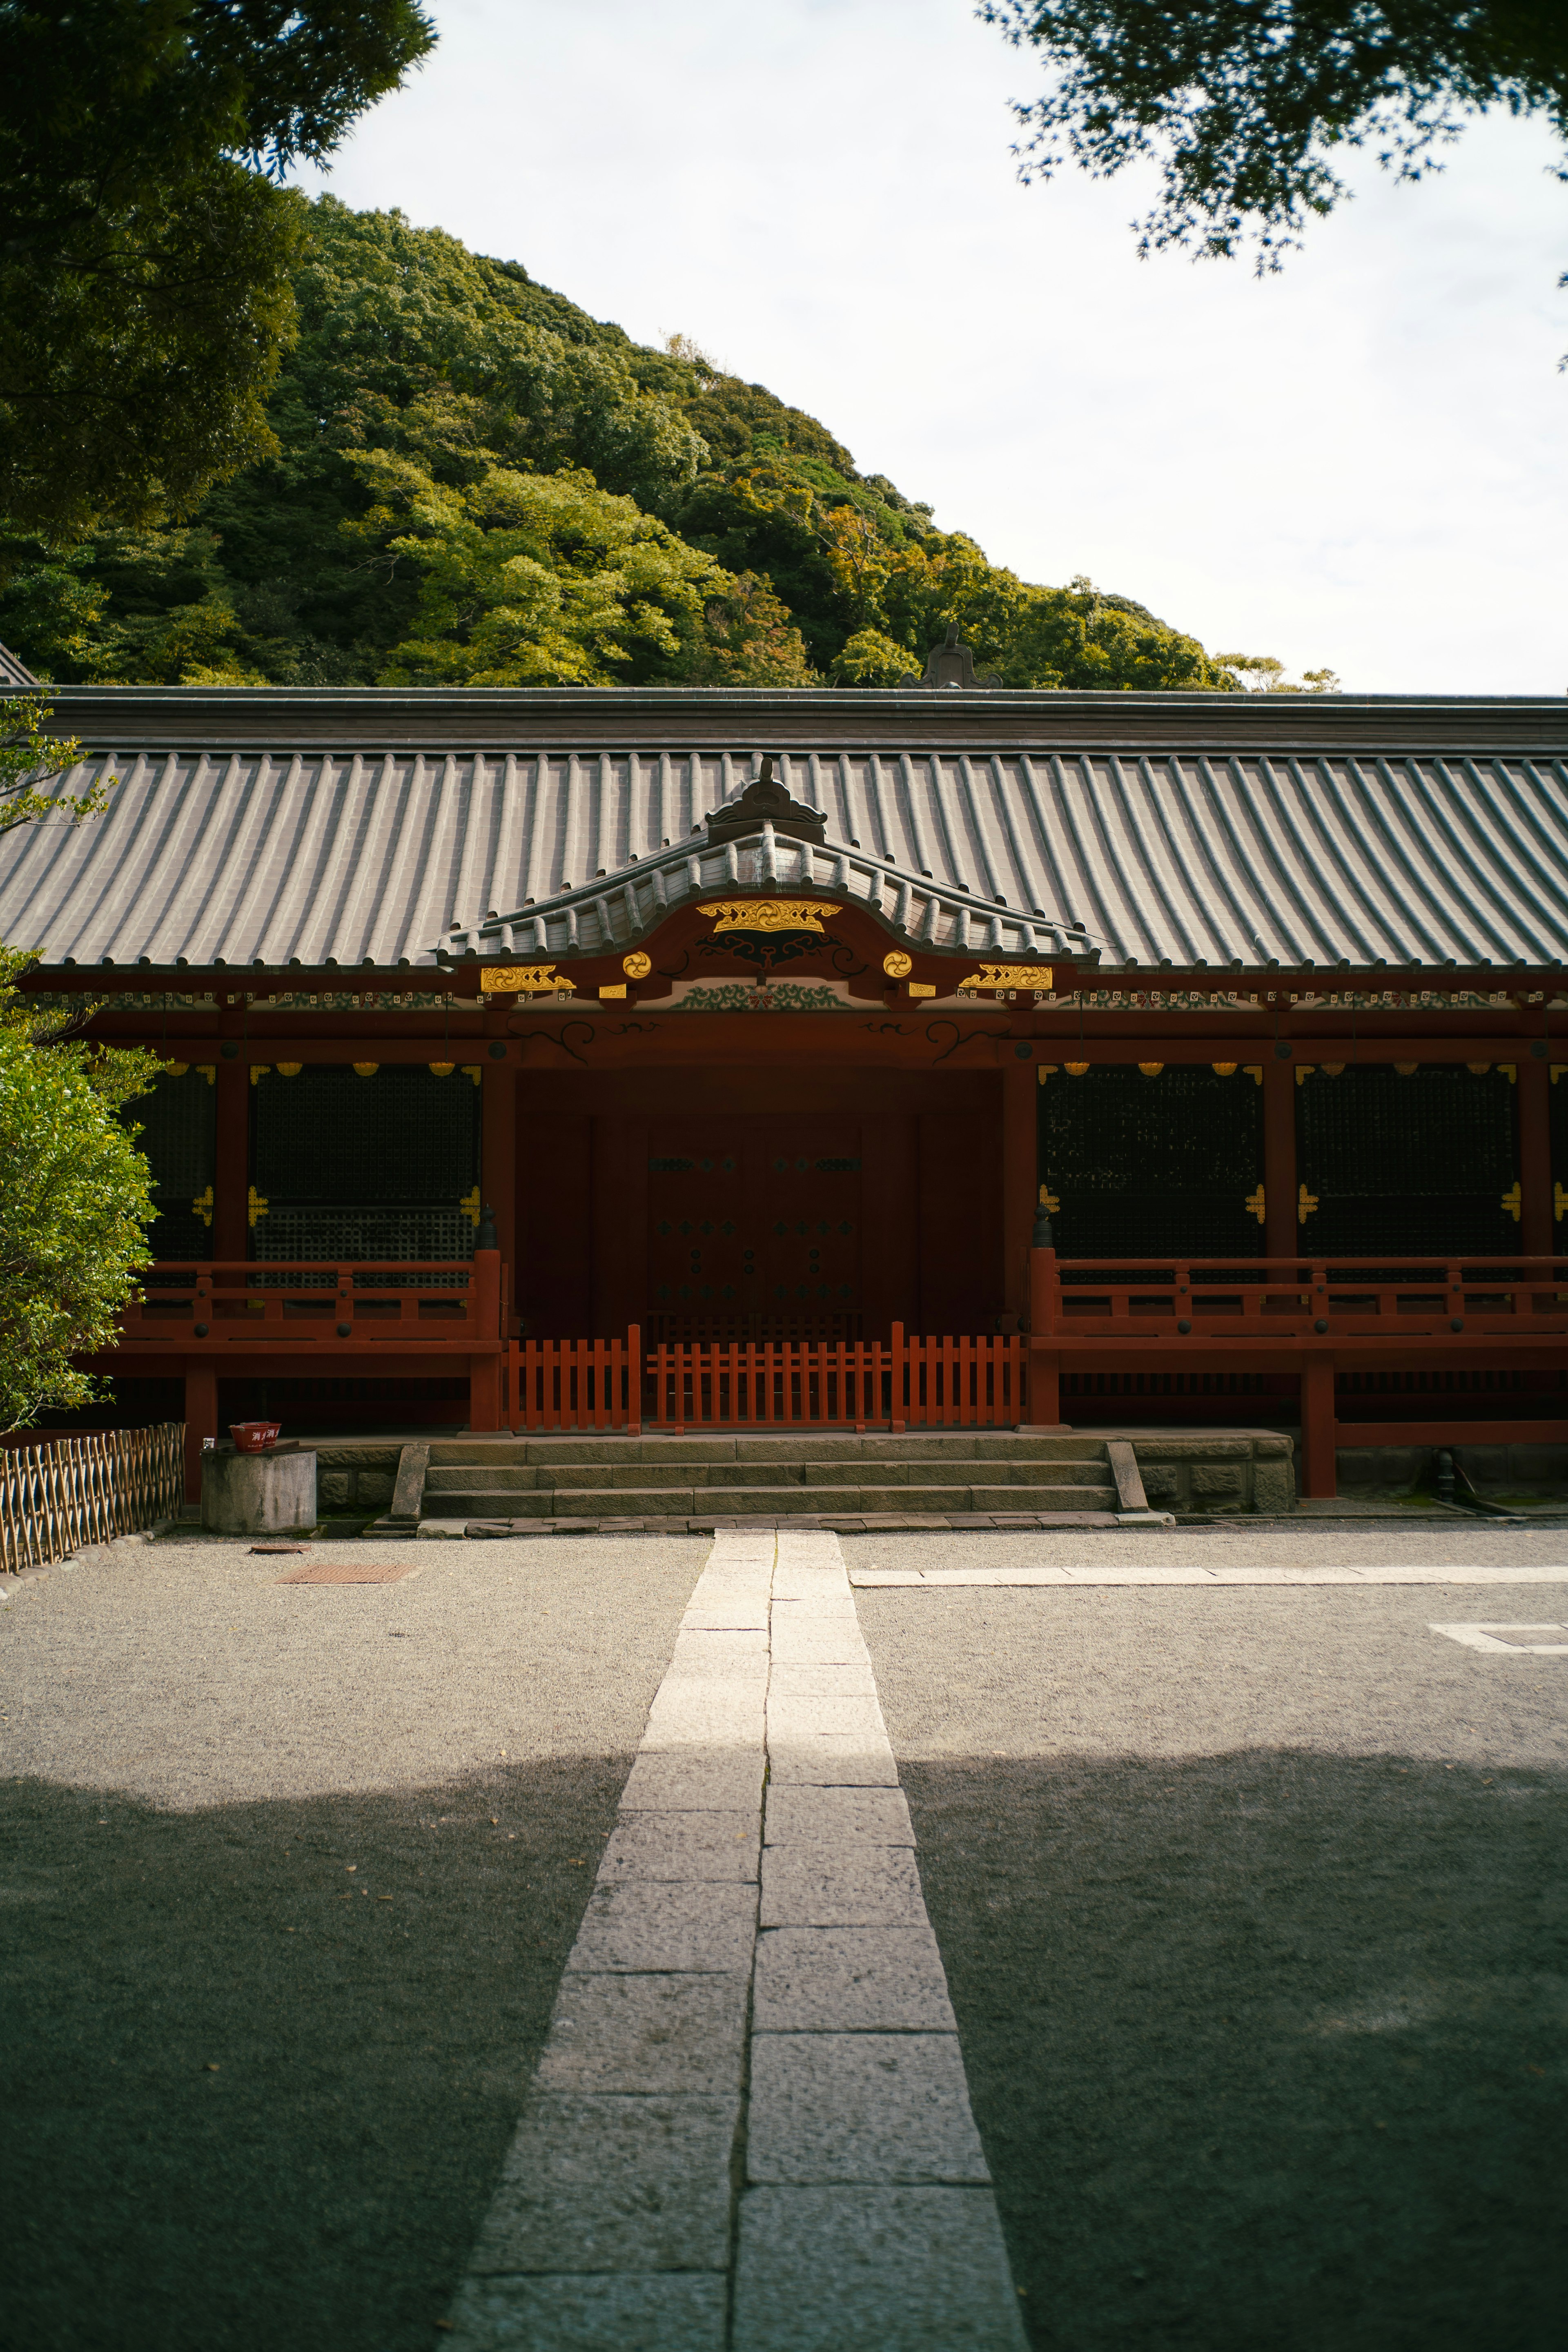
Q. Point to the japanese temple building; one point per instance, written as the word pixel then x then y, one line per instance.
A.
pixel 781 1017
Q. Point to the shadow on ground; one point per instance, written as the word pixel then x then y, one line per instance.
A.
pixel 1267 2050
pixel 251 2102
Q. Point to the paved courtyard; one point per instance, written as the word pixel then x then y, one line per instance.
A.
pixel 790 1945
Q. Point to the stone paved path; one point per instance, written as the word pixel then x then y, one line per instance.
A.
pixel 749 2125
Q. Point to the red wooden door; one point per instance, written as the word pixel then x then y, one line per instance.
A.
pixel 753 1221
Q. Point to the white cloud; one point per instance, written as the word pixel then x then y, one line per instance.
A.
pixel 1357 463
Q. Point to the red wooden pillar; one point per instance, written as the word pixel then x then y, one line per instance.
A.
pixel 1045 1358
pixel 201 1422
pixel 498 1162
pixel 231 1181
pixel 1019 1181
pixel 1280 1236
pixel 1318 1479
pixel 1536 1223
pixel 485 1370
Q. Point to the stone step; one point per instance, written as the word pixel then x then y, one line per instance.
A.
pixel 718 1477
pixel 762 1502
pixel 796 1445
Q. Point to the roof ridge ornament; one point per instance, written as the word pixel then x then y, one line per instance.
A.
pixel 951 666
pixel 764 800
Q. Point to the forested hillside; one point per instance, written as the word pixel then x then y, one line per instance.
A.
pixel 476 483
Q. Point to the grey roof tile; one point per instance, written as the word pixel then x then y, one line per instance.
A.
pixel 1183 857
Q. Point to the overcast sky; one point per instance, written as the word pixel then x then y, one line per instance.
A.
pixel 1358 463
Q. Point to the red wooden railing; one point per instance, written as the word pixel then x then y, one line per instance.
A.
pixel 215 1305
pixel 1412 1295
pixel 902 1382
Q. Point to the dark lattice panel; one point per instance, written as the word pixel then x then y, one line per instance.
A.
pixel 1560 1151
pixel 331 1137
pixel 179 1130
pixel 1145 1166
pixel 1406 1164
pixel 373 1232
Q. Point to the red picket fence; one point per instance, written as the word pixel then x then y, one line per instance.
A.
pixel 565 1384
pixel 852 1384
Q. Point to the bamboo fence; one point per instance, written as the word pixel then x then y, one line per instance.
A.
pixel 82 1490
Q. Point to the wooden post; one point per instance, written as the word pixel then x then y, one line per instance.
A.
pixel 1045 1406
pixel 1536 1223
pixel 896 1420
pixel 1019 1179
pixel 633 1380
pixel 1318 1479
pixel 201 1422
pixel 231 1180
pixel 1281 1237
pixel 498 1158
pixel 485 1369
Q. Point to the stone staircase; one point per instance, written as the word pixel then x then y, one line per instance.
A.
pixel 932 1477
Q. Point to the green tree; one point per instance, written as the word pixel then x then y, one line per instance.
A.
pixel 1264 674
pixel 1246 107
pixel 535 579
pixel 28 758
pixel 74 1207
pixel 146 248
pixel 424 372
pixel 751 639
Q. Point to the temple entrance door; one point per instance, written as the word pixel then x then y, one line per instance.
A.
pixel 754 1227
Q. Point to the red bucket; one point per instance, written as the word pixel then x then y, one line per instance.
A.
pixel 254 1436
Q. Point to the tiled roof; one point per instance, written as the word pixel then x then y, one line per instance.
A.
pixel 1186 857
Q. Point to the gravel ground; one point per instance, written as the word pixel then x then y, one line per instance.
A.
pixel 1251 1906
pixel 287 1878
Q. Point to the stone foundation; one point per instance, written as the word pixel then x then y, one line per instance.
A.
pixel 1213 1471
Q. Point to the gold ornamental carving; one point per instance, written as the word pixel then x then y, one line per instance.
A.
pixel 1037 976
pixel 768 914
pixel 897 965
pixel 523 979
pixel 636 966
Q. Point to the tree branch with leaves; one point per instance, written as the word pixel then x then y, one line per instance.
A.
pixel 1247 109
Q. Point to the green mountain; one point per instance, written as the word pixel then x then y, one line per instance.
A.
pixel 476 483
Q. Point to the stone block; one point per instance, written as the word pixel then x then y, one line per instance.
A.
pixel 705 1930
pixel 373 1487
pixel 826 1887
pixel 837 1716
pixel 800 1678
pixel 861 2107
pixel 838 1816
pixel 706 1715
pixel 873 2270
pixel 1199 1447
pixel 1210 1479
pixel 646 2036
pixel 720 1653
pixel 1163 1482
pixel 696 1779
pixel 334 1489
pixel 850 1980
pixel 831 1763
pixel 1274 1484
pixel 648 1847
pixel 687 1449
pixel 620 2311
pixel 594 2182
pixel 258 1494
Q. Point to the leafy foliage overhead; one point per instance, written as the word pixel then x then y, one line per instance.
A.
pixel 146 251
pixel 475 481
pixel 1246 105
